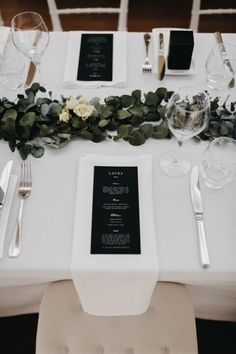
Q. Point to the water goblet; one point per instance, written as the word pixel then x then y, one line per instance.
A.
pixel 221 66
pixel 187 115
pixel 219 163
pixel 30 35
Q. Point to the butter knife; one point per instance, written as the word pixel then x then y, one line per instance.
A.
pixel 161 58
pixel 30 74
pixel 225 58
pixel 198 211
pixel 4 181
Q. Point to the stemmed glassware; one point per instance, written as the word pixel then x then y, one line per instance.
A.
pixel 187 115
pixel 221 67
pixel 30 35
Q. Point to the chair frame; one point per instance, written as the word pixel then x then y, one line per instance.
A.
pixel 197 11
pixel 122 11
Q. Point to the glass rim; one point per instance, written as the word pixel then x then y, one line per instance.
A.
pixel 223 46
pixel 207 99
pixel 27 12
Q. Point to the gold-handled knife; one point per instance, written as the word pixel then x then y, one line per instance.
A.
pixel 226 60
pixel 30 74
pixel 32 67
pixel 161 58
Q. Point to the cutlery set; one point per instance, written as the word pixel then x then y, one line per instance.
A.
pixel 147 66
pixel 25 187
pixel 24 191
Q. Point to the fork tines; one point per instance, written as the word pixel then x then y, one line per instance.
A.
pixel 26 178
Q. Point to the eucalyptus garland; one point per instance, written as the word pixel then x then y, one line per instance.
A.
pixel 32 122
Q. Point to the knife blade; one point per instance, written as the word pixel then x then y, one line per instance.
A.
pixel 198 211
pixel 161 58
pixel 4 180
pixel 225 58
pixel 30 74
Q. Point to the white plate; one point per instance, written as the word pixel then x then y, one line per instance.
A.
pixel 166 34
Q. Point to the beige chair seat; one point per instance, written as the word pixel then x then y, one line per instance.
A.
pixel 167 327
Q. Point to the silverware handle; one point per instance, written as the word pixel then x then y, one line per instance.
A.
pixel 205 262
pixel 15 245
pixel 147 39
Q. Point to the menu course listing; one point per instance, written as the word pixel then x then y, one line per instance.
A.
pixel 96 57
pixel 115 213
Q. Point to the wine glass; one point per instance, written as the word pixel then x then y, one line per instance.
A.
pixel 30 36
pixel 221 67
pixel 187 114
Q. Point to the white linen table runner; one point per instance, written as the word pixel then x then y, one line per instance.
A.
pixel 117 284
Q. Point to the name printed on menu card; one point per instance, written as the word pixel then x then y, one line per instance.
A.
pixel 96 57
pixel 115 211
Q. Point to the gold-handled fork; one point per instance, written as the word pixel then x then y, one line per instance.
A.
pixel 24 191
pixel 147 66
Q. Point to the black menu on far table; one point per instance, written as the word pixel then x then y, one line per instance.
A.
pixel 115 211
pixel 96 57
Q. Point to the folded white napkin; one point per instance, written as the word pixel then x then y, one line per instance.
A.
pixel 4 33
pixel 166 35
pixel 119 62
pixel 5 212
pixel 114 284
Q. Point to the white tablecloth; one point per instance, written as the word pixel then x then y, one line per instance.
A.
pixel 49 212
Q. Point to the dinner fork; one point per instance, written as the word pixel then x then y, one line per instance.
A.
pixel 147 66
pixel 24 191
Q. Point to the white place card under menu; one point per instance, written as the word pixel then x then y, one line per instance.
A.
pixel 114 284
pixel 119 77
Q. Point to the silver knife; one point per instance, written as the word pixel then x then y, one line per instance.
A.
pixel 225 58
pixel 4 181
pixel 161 58
pixel 198 211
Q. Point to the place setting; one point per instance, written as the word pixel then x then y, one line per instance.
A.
pixel 9 182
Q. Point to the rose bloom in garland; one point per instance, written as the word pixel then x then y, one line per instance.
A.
pixel 80 107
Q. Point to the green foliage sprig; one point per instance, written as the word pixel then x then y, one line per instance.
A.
pixel 32 122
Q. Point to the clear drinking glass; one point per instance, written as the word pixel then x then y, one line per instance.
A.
pixel 221 66
pixel 30 35
pixel 187 114
pixel 219 164
pixel 12 67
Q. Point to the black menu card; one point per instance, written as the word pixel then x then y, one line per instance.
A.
pixel 96 57
pixel 115 213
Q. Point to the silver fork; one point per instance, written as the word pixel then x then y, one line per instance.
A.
pixel 147 66
pixel 24 191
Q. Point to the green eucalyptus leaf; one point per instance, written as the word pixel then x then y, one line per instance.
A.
pixel 103 123
pixel 12 144
pixel 28 120
pixel 161 131
pixel 127 101
pixel 10 114
pixel 136 138
pixel 112 101
pixel 151 99
pixel 147 130
pixel 123 131
pixel 37 151
pixel 30 96
pixel 137 111
pixel 86 135
pixel 54 109
pixel 161 92
pixel 124 114
pixel 137 95
pixel 44 109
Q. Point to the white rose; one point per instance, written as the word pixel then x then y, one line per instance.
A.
pixel 83 100
pixel 72 102
pixel 83 110
pixel 64 116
